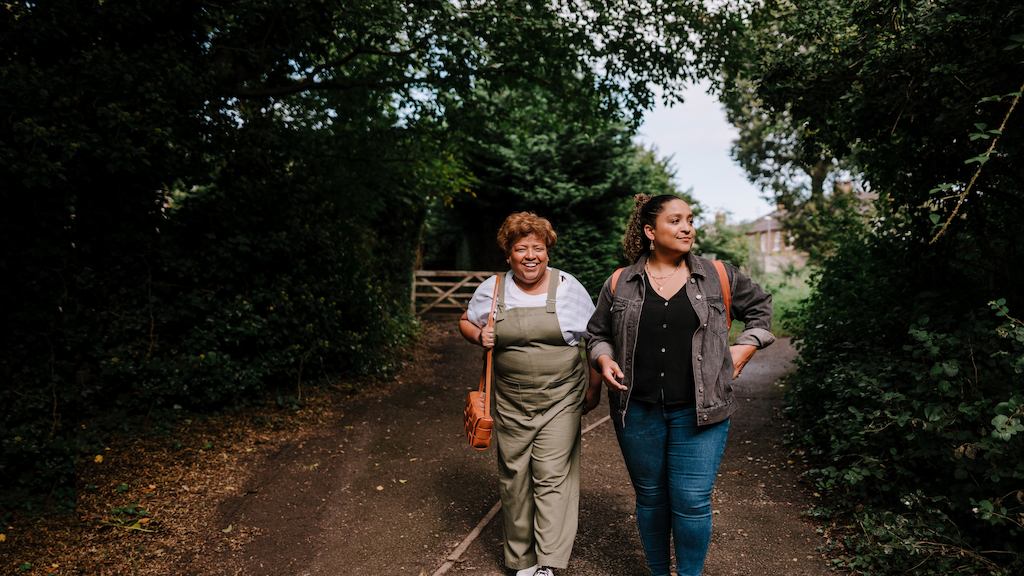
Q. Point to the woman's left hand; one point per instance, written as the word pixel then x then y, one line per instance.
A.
pixel 741 354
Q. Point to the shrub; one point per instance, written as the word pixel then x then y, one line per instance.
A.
pixel 914 425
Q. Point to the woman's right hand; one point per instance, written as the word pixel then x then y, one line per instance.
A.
pixel 611 373
pixel 473 333
pixel 486 338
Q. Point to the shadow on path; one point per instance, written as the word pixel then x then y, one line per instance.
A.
pixel 392 488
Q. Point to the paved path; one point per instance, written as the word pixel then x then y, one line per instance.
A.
pixel 391 488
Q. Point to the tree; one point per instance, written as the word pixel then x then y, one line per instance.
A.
pixel 529 150
pixel 907 393
pixel 204 201
pixel 816 191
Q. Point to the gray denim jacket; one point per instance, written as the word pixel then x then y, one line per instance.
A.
pixel 613 331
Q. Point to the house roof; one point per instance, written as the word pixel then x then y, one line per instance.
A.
pixel 765 223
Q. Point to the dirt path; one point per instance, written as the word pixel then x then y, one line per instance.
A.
pixel 390 488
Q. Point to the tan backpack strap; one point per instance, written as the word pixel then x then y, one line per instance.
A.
pixel 615 279
pixel 723 279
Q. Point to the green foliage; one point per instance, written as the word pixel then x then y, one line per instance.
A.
pixel 132 517
pixel 819 199
pixel 725 242
pixel 891 542
pixel 907 395
pixel 205 203
pixel 925 443
pixel 789 289
pixel 531 151
pixel 819 224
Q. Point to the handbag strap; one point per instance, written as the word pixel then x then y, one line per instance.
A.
pixel 490 351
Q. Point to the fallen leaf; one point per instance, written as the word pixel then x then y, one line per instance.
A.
pixel 228 529
pixel 379 488
pixel 3 537
pixel 98 459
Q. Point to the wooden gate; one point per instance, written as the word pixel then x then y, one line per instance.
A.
pixel 444 290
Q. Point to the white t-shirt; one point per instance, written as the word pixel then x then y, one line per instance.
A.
pixel 573 306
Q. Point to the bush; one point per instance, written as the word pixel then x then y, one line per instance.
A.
pixel 225 303
pixel 922 450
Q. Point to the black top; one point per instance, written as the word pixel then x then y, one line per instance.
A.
pixel 663 369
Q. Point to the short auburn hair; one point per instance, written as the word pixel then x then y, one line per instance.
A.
pixel 519 225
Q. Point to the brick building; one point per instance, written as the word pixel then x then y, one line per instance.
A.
pixel 771 248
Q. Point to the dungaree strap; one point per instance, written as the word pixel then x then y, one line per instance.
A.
pixel 549 306
pixel 552 290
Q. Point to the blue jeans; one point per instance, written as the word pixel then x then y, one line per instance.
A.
pixel 672 464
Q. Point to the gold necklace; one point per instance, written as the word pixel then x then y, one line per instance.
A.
pixel 665 277
pixel 655 279
pixel 657 285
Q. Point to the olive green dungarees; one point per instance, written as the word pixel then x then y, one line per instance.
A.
pixel 539 385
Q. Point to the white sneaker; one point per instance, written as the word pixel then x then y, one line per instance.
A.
pixel 545 571
pixel 531 571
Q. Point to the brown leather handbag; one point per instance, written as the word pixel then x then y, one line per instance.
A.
pixel 477 414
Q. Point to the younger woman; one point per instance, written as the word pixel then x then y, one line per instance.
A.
pixel 660 343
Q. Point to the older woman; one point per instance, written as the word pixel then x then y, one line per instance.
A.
pixel 659 338
pixel 541 388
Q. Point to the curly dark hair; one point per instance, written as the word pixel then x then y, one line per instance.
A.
pixel 519 225
pixel 645 211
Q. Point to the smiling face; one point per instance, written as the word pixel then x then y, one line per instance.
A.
pixel 673 231
pixel 528 259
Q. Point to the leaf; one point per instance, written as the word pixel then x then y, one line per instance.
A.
pixel 981 159
pixel 228 529
pixel 137 526
pixel 950 368
pixel 934 218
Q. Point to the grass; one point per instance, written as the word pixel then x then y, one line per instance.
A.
pixel 787 290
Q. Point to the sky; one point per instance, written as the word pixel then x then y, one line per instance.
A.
pixel 696 137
